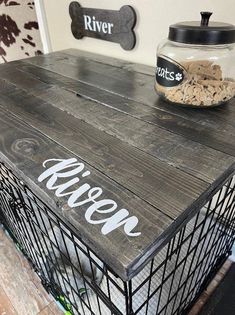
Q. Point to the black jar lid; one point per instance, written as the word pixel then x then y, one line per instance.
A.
pixel 202 32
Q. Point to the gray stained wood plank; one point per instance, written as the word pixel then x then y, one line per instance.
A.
pixel 24 150
pixel 162 186
pixel 141 111
pixel 119 79
pixel 143 76
pixel 114 62
pixel 210 128
pixel 192 157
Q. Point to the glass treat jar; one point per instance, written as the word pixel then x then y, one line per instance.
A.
pixel 196 65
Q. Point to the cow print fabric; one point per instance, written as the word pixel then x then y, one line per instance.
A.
pixel 19 33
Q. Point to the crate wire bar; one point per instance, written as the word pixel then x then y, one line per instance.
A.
pixel 84 284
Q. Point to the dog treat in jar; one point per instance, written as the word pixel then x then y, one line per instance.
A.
pixel 196 65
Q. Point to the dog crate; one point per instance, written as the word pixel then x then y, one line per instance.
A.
pixel 80 279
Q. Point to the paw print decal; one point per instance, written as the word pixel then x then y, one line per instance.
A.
pixel 178 76
pixel 169 73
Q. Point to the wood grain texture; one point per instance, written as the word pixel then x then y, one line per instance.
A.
pixel 114 62
pixel 192 157
pixel 162 186
pixel 14 273
pixel 133 81
pixel 142 76
pixel 210 129
pixel 160 163
pixel 24 150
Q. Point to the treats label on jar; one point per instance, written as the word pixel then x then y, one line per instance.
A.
pixel 168 72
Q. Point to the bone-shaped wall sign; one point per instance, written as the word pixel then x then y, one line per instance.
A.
pixel 110 25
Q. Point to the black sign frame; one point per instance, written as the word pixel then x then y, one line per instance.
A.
pixel 109 25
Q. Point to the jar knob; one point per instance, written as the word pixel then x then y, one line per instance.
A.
pixel 205 18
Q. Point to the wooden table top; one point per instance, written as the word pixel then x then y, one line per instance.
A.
pixel 147 166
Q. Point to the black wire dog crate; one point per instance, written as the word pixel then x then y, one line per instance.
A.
pixel 168 284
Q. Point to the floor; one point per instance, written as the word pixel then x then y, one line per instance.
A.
pixel 207 296
pixel 222 301
pixel 21 292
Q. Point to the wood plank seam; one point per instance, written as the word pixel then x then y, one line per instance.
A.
pixel 112 134
pixel 72 151
pixel 194 138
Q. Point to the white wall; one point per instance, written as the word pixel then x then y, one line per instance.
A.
pixel 154 18
pixel 43 27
